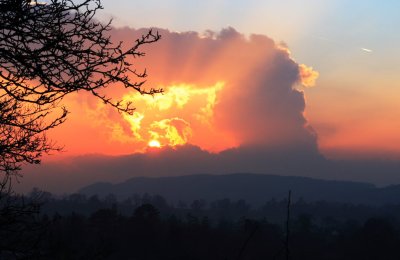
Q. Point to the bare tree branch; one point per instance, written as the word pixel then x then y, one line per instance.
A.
pixel 48 51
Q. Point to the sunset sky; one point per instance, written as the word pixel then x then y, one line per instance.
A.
pixel 353 45
pixel 317 77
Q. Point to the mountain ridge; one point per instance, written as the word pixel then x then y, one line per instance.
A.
pixel 254 188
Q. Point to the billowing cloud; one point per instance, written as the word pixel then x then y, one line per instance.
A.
pixel 222 90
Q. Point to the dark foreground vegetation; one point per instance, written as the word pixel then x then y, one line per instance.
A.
pixel 147 227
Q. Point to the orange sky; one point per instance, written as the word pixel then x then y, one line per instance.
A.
pixel 356 117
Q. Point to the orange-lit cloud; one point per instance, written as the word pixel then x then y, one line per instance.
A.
pixel 222 90
pixel 171 117
pixel 308 75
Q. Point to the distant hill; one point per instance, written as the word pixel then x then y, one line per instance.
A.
pixel 254 188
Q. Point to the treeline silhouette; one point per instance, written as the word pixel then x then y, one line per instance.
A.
pixel 273 210
pixel 148 227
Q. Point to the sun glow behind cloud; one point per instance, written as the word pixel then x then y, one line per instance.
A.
pixel 169 118
pixel 154 143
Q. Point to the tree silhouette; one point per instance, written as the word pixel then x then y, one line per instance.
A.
pixel 48 51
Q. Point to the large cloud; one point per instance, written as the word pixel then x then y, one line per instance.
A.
pixel 228 89
pixel 259 103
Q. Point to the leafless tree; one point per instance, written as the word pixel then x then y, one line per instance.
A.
pixel 47 51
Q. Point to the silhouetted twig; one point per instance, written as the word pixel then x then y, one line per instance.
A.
pixel 288 226
pixel 287 233
pixel 243 248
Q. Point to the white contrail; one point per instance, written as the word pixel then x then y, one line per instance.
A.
pixel 366 50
